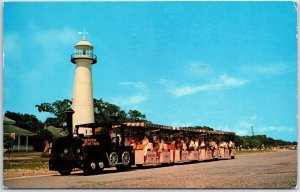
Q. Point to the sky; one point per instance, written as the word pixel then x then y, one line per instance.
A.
pixel 226 65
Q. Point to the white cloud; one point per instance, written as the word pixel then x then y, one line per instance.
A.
pixel 269 69
pixel 136 99
pixel 139 97
pixel 228 81
pixel 134 84
pixel 223 82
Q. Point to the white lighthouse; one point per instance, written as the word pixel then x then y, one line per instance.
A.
pixel 82 102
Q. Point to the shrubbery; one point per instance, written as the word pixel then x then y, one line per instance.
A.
pixel 39 140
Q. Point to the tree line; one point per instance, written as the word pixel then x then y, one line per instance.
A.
pixel 259 141
pixel 106 112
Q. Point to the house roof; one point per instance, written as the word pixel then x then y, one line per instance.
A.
pixel 56 132
pixel 9 128
pixel 7 121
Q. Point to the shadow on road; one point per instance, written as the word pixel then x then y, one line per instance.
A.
pixel 114 171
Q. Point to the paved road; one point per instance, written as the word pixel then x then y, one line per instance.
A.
pixel 270 170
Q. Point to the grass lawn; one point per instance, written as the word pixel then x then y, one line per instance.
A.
pixel 23 154
pixel 25 160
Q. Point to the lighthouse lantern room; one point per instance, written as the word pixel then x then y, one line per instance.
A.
pixel 84 50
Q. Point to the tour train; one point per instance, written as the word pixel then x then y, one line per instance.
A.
pixel 92 153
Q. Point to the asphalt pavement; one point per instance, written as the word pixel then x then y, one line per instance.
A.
pixel 277 170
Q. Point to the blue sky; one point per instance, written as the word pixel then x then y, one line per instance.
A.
pixel 227 65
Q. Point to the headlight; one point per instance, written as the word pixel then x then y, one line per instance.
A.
pixel 78 151
pixel 101 165
pixel 66 151
pixel 93 165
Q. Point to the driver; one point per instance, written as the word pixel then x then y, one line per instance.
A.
pixel 113 136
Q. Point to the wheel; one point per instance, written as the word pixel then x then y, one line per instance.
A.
pixel 232 157
pixel 121 167
pixel 65 171
pixel 113 158
pixel 126 157
pixel 92 168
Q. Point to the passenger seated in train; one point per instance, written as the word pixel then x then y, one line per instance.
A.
pixel 159 147
pixel 132 143
pixel 226 144
pixel 223 144
pixel 216 144
pixel 178 143
pixel 127 141
pixel 113 136
pixel 172 145
pixel 183 143
pixel 202 144
pixel 196 144
pixel 183 147
pixel 231 145
pixel 191 144
pixel 211 144
pixel 207 145
pixel 146 145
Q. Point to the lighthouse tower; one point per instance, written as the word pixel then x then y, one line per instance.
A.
pixel 82 103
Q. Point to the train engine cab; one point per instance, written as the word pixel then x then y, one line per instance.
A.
pixel 92 153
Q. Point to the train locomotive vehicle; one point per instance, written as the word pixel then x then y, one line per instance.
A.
pixel 90 153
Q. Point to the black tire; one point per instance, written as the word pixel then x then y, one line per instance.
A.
pixel 121 168
pixel 65 171
pixel 87 172
pixel 232 157
pixel 100 170
pixel 128 166
pixel 91 171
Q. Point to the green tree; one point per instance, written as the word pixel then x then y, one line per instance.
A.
pixel 238 141
pixel 26 121
pixel 57 109
pixel 135 115
pixel 8 142
pixel 39 140
pixel 105 112
pixel 108 113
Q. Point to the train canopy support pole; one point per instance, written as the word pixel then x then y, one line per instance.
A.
pixel 69 113
pixel 122 130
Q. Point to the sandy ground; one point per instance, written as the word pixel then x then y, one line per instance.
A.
pixel 266 170
pixel 12 173
pixel 15 173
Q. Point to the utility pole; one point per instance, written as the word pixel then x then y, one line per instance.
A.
pixel 252 130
